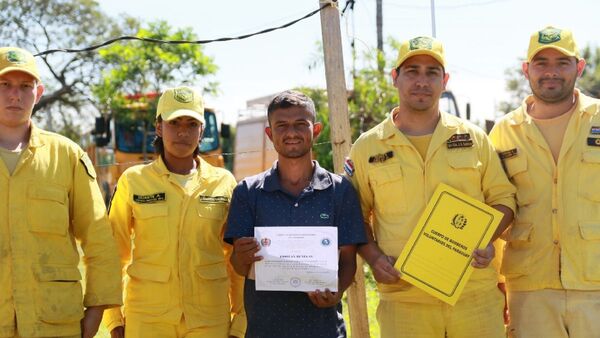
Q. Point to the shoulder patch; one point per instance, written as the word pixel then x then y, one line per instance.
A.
pixel 508 154
pixel 213 199
pixel 349 167
pixel 380 158
pixel 89 167
pixel 148 199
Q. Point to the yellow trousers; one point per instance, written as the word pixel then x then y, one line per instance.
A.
pixel 143 328
pixel 554 314
pixel 475 315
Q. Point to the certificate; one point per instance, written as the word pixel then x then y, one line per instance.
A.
pixel 297 258
pixel 437 257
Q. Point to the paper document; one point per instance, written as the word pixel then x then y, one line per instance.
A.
pixel 297 258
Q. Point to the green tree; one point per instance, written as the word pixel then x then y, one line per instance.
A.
pixel 369 101
pixel 39 25
pixel 518 86
pixel 137 67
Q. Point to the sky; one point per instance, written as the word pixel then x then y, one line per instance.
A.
pixel 482 38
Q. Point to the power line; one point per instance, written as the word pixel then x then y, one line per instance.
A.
pixel 179 42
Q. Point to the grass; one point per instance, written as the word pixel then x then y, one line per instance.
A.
pixel 372 302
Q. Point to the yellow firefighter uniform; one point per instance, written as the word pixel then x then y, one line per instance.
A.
pixel 554 241
pixel 395 183
pixel 171 248
pixel 50 201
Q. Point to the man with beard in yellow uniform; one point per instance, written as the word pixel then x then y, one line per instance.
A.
pixel 172 212
pixel 550 147
pixel 395 167
pixel 49 199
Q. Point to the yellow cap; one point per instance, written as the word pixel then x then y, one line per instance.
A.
pixel 180 101
pixel 17 59
pixel 550 37
pixel 421 45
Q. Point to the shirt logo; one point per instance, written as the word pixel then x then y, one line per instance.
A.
pixel 324 216
pixel 213 199
pixel 508 154
pixel 380 158
pixel 148 199
pixel 459 141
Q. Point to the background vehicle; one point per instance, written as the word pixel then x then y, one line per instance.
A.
pixel 254 152
pixel 120 142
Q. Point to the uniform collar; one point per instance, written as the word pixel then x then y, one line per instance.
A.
pixel 584 105
pixel 34 137
pixel 161 168
pixel 447 125
pixel 321 179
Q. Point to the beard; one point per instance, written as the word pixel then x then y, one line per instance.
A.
pixel 562 91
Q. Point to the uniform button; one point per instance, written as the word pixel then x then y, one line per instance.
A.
pixel 554 211
pixel 556 241
pixel 296 205
pixel 555 180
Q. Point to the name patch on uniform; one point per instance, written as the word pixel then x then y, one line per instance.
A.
pixel 593 141
pixel 213 199
pixel 152 198
pixel 349 167
pixel 508 154
pixel 459 141
pixel 380 158
pixel 595 130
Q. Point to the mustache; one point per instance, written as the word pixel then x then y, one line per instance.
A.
pixel 422 91
pixel 551 79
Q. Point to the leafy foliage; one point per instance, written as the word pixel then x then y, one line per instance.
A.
pixel 38 25
pixel 135 68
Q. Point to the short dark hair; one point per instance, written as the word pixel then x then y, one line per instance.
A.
pixel 291 98
pixel 159 146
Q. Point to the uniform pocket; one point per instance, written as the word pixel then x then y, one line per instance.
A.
pixel 517 256
pixel 48 211
pixel 148 290
pixel 151 225
pixel 215 211
pixel 211 293
pixel 464 173
pixel 589 180
pixel 516 169
pixel 590 232
pixel 59 295
pixel 388 189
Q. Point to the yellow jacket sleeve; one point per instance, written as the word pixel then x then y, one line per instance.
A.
pixel 121 222
pixel 91 228
pixel 236 297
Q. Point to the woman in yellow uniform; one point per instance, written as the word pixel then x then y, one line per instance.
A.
pixel 168 218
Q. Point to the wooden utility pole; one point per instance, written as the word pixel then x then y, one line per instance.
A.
pixel 339 123
pixel 379 22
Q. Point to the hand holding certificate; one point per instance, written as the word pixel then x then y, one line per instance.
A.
pixel 297 258
pixel 437 257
